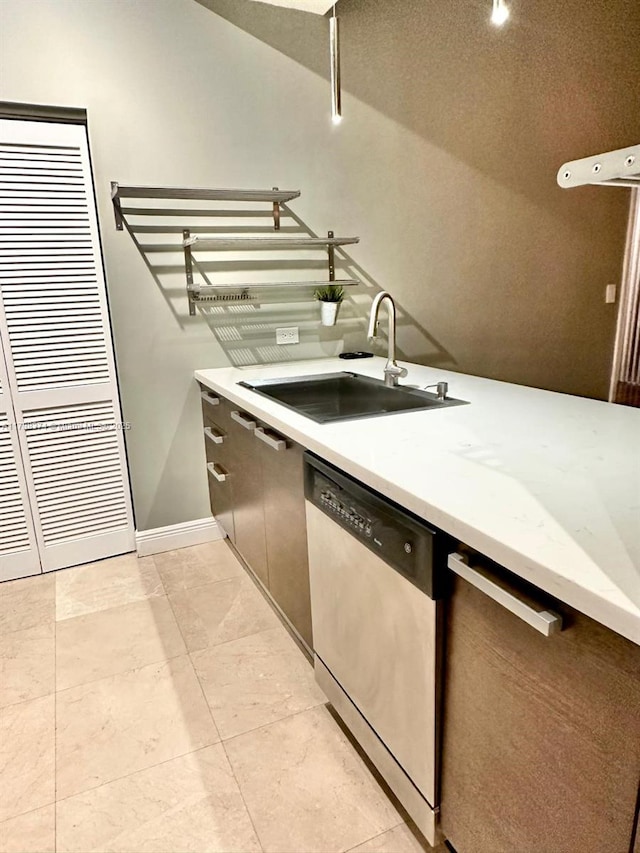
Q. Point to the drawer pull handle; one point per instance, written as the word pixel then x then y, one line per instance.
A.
pixel 210 397
pixel 544 621
pixel 214 436
pixel 270 440
pixel 218 471
pixel 244 420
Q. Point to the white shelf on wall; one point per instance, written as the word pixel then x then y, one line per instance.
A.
pixel 619 168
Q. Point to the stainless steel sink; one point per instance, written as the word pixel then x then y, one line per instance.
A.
pixel 344 396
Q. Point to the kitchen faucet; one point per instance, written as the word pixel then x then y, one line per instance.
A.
pixel 391 370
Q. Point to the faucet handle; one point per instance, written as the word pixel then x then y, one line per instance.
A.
pixel 394 369
pixel 393 372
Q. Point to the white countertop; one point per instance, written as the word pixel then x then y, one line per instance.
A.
pixel 546 484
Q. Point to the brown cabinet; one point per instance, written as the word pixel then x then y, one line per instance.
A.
pixel 246 484
pixel 541 743
pixel 215 414
pixel 256 491
pixel 286 527
pixel 220 498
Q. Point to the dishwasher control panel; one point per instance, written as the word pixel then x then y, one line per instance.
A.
pixel 403 541
pixel 331 501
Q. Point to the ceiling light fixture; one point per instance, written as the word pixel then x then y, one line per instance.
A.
pixel 334 55
pixel 499 13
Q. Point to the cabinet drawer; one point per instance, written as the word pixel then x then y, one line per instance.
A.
pixel 211 402
pixel 248 508
pixel 541 732
pixel 286 527
pixel 217 446
pixel 217 415
pixel 221 497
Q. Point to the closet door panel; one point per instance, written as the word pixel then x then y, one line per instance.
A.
pixel 54 316
pixel 76 472
pixel 18 550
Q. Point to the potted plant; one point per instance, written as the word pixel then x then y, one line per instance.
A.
pixel 330 298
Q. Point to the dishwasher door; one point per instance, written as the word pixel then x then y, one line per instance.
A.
pixel 375 632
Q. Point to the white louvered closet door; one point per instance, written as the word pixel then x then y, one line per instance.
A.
pixel 18 549
pixel 59 357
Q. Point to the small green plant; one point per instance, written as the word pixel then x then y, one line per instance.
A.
pixel 330 293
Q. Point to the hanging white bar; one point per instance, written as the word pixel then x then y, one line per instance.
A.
pixel 617 168
pixel 334 54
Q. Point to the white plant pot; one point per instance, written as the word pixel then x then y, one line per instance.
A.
pixel 329 312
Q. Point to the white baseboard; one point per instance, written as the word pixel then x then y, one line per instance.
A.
pixel 177 536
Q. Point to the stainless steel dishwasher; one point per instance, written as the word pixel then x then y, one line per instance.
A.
pixel 376 624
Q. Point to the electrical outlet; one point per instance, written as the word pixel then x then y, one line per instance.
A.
pixel 610 294
pixel 288 335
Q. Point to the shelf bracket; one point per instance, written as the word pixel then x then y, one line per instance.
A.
pixel 117 210
pixel 276 214
pixel 188 268
pixel 331 252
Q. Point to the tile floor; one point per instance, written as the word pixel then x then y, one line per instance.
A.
pixel 158 704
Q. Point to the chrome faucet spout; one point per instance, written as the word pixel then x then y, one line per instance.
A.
pixel 392 372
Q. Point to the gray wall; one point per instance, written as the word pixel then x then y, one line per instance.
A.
pixel 444 165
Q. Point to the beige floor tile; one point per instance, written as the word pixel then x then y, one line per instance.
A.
pixel 256 680
pixel 400 839
pixel 27 663
pixel 218 612
pixel 105 584
pixel 105 643
pixel 306 788
pixel 127 722
pixel 196 566
pixel 34 832
pixel 190 804
pixel 27 736
pixel 27 602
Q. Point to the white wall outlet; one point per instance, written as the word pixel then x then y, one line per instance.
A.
pixel 288 335
pixel 610 294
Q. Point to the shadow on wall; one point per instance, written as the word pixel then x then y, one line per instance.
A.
pixel 242 313
pixel 464 130
pixel 514 103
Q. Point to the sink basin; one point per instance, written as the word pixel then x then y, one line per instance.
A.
pixel 344 396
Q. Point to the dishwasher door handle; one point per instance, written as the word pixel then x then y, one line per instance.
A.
pixel 244 420
pixel 544 621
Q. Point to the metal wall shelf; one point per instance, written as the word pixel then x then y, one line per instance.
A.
pixel 274 196
pixel 191 243
pixel 246 244
pixel 204 195
pixel 619 168
pixel 241 291
pixel 345 282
